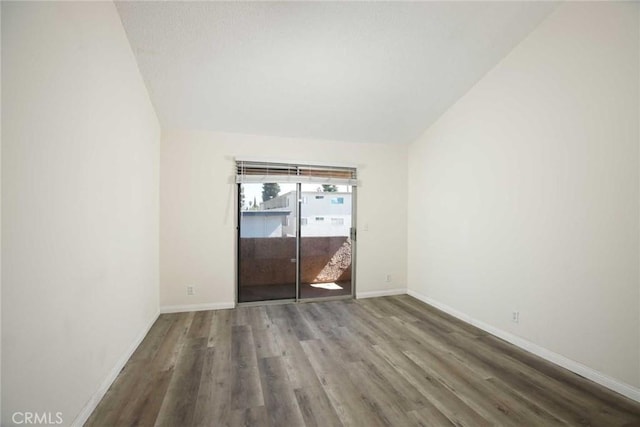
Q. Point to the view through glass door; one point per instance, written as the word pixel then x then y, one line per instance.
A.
pixel 326 248
pixel 267 242
pixel 296 231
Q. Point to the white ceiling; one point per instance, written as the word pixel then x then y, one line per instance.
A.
pixel 350 71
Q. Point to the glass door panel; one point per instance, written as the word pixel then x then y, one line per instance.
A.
pixel 325 240
pixel 267 247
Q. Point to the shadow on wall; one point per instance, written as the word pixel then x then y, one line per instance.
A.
pixel 268 261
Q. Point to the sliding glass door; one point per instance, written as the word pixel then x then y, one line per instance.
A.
pixel 267 242
pixel 296 231
pixel 326 247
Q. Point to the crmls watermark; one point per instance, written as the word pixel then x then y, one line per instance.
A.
pixel 39 418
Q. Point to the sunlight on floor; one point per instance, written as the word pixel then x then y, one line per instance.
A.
pixel 330 286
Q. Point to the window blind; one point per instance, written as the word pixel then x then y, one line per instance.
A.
pixel 259 171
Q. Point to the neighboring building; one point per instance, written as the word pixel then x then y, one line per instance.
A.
pixel 264 223
pixel 323 213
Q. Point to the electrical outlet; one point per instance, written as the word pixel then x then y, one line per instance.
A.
pixel 191 290
pixel 388 279
pixel 515 317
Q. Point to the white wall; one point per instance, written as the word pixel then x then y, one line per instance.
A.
pixel 80 205
pixel 524 195
pixel 197 211
pixel 0 219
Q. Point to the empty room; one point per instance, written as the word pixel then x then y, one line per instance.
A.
pixel 320 213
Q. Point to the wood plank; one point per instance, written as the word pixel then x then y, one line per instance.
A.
pixel 146 400
pixel 353 408
pixel 497 400
pixel 426 337
pixel 220 327
pixel 214 394
pixel 316 408
pixel 266 342
pixel 381 399
pixel 258 317
pixel 383 373
pixel 172 345
pixel 240 316
pixel 246 390
pixel 576 382
pixel 180 400
pixel 556 397
pixel 382 361
pixel 350 406
pixel 471 391
pixel 442 398
pixel 324 323
pixel 429 417
pixel 125 388
pixel 280 400
pixel 445 322
pixel 298 323
pixel 249 417
pixel 200 325
pixel 152 342
pixel 384 305
pixel 108 411
pixel 299 369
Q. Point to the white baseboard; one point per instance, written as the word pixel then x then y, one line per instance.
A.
pixel 384 293
pixel 598 377
pixel 91 405
pixel 196 307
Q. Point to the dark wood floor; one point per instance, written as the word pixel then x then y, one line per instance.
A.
pixel 382 361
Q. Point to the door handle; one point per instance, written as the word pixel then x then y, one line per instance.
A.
pixel 293 260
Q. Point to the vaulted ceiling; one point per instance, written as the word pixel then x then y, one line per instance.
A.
pixel 350 71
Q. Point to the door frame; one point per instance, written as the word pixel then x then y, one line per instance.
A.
pixel 297 299
pixel 353 236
